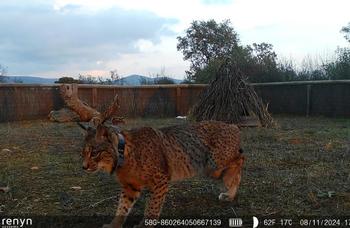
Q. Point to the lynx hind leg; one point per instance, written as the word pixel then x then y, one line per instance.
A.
pixel 232 177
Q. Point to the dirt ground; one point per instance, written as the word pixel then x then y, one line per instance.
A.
pixel 302 167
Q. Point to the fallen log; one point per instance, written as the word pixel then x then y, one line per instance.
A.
pixel 69 93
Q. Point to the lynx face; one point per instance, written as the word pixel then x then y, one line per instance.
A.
pixel 97 154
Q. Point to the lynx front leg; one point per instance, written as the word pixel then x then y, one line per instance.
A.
pixel 156 201
pixel 232 179
pixel 127 200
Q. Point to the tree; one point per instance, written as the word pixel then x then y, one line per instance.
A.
pixel 205 41
pixel 261 63
pixel 3 72
pixel 159 79
pixel 114 75
pixel 340 68
pixel 264 54
pixel 87 79
pixel 163 80
pixel 346 30
pixel 206 75
pixel 257 62
pixel 286 69
pixel 68 80
pixel 114 78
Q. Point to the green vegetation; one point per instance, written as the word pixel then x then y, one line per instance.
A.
pixel 67 80
pixel 3 72
pixel 89 79
pixel 299 168
pixel 160 78
pixel 207 43
pixel 346 31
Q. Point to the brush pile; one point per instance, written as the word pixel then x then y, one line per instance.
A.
pixel 229 98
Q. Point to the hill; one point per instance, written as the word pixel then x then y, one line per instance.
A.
pixel 31 80
pixel 133 79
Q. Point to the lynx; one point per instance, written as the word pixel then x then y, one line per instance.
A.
pixel 149 158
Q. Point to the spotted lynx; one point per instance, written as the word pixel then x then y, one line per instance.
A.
pixel 151 158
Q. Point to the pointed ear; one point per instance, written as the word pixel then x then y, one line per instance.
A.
pixel 101 133
pixel 111 110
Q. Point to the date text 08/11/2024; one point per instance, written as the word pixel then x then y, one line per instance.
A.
pixel 315 222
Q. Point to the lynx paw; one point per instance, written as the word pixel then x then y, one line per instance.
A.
pixel 225 197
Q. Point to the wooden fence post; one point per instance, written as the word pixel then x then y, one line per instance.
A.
pixel 94 97
pixel 178 101
pixel 308 101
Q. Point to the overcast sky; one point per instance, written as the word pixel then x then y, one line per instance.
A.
pixel 55 38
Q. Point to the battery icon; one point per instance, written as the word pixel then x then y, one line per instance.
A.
pixel 235 222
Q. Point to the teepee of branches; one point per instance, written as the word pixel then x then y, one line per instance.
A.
pixel 229 98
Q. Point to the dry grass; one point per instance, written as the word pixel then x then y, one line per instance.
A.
pixel 301 167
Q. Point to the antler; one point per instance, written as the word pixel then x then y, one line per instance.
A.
pixel 108 113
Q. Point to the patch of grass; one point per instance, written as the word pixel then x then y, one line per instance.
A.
pixel 289 170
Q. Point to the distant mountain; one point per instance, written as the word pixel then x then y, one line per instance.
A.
pixel 131 80
pixel 135 79
pixel 30 80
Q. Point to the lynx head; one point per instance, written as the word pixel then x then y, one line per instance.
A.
pixel 98 152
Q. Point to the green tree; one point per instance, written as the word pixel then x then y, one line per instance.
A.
pixel 87 79
pixel 287 70
pixel 69 80
pixel 261 64
pixel 3 72
pixel 205 41
pixel 346 30
pixel 160 78
pixel 163 80
pixel 258 62
pixel 205 75
pixel 340 68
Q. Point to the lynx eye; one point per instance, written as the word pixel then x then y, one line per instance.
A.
pixel 95 152
pixel 98 149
